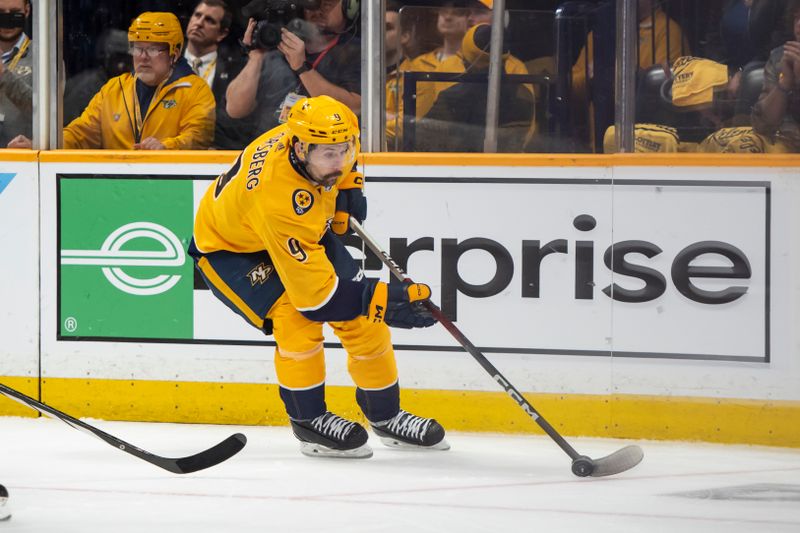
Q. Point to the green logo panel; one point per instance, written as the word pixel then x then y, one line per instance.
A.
pixel 124 271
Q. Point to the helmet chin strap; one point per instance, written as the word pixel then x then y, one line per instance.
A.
pixel 299 163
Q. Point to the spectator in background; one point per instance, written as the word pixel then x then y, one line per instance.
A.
pixel 661 41
pixel 456 122
pixel 452 23
pixel 113 59
pixel 209 24
pixel 324 60
pixel 16 75
pixel 767 26
pixel 739 49
pixel 729 42
pixel 163 105
pixel 480 12
pixel 459 17
pixel 400 48
pixel 396 64
pixel 776 115
pixel 427 94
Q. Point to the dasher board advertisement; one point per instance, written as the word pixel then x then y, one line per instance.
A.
pixel 650 267
pixel 19 265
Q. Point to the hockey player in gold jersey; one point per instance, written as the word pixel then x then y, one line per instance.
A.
pixel 264 243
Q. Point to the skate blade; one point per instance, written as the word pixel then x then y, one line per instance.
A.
pixel 400 445
pixel 311 449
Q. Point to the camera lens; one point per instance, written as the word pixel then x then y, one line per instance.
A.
pixel 267 34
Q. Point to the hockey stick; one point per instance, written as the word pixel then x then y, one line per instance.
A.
pixel 582 466
pixel 179 465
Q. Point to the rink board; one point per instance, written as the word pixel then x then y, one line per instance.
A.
pixel 693 318
pixel 19 282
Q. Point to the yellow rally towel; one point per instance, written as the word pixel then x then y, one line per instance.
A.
pixel 647 138
pixel 694 80
pixel 744 140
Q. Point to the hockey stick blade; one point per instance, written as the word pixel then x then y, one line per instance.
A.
pixel 177 465
pixel 615 463
pixel 582 466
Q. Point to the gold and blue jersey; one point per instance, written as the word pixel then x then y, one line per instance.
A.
pixel 263 203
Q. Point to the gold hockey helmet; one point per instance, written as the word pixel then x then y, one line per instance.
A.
pixel 322 120
pixel 158 27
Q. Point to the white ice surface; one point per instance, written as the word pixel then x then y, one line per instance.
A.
pixel 62 480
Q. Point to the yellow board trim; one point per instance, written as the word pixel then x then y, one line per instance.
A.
pixel 19 155
pixel 26 385
pixel 432 159
pixel 580 160
pixel 722 420
pixel 221 286
pixel 138 156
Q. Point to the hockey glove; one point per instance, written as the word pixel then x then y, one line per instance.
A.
pixel 400 305
pixel 350 201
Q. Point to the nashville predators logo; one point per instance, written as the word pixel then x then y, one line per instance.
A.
pixel 169 103
pixel 260 274
pixel 302 200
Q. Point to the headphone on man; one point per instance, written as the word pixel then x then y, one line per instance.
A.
pixel 351 9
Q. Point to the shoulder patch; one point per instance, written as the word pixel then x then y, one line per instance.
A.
pixel 302 201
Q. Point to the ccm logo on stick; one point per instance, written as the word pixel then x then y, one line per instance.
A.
pixel 615 257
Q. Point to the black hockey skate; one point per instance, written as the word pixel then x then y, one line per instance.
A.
pixel 330 435
pixel 5 512
pixel 405 430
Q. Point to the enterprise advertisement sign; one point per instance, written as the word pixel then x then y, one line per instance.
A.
pixel 648 268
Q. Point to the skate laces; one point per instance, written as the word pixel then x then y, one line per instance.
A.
pixel 332 425
pixel 407 425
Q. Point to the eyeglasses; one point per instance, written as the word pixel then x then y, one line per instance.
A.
pixel 149 51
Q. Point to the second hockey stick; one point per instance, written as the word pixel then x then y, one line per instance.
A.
pixel 582 465
pixel 179 465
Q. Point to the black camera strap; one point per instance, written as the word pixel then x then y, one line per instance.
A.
pixel 321 55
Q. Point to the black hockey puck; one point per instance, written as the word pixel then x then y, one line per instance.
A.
pixel 3 494
pixel 582 466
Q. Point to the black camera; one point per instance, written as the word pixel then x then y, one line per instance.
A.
pixel 273 15
pixel 12 20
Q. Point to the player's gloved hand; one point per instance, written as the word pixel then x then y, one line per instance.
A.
pixel 350 201
pixel 400 305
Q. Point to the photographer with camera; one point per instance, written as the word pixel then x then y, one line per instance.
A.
pixel 308 50
pixel 16 74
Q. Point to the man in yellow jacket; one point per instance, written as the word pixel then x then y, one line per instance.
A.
pixel 451 24
pixel 461 62
pixel 264 243
pixel 162 105
pixel 456 121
